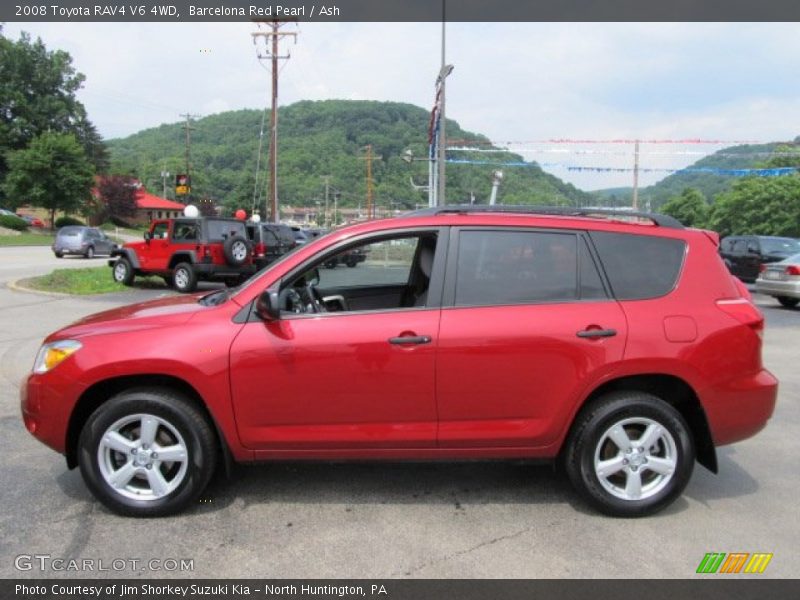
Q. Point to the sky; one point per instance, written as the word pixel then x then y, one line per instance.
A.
pixel 517 83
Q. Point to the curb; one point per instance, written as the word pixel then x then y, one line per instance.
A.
pixel 17 287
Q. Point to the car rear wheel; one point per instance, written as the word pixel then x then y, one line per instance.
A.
pixel 147 452
pixel 123 271
pixel 788 302
pixel 184 279
pixel 630 454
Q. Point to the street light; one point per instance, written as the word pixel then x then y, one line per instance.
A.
pixel 497 177
pixel 440 81
pixel 408 157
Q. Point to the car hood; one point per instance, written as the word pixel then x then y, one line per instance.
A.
pixel 173 310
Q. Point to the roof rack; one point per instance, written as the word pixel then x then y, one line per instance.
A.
pixel 567 211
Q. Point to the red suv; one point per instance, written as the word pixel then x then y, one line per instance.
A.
pixel 186 250
pixel 616 344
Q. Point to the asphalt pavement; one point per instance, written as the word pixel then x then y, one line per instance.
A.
pixel 474 519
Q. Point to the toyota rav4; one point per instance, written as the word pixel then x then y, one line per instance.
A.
pixel 616 345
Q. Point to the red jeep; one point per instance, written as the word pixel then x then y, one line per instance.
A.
pixel 184 251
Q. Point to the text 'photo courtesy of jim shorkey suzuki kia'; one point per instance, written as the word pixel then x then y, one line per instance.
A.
pixel 616 345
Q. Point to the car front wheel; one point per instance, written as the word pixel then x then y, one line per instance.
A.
pixel 630 454
pixel 184 279
pixel 123 271
pixel 147 452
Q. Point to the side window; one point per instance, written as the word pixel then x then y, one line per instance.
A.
pixel 591 284
pixel 185 231
pixel 516 267
pixel 753 246
pixel 387 262
pixel 639 266
pixel 160 231
pixel 739 246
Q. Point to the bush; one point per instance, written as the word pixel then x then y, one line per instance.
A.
pixel 67 221
pixel 15 223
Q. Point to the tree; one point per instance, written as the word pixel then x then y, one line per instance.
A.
pixel 52 172
pixel 760 206
pixel 37 94
pixel 117 196
pixel 689 208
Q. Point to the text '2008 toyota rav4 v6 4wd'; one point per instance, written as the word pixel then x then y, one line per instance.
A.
pixel 186 250
pixel 620 347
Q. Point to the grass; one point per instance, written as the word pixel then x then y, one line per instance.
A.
pixel 84 282
pixel 27 239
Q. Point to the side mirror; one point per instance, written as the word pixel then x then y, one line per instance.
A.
pixel 147 236
pixel 268 307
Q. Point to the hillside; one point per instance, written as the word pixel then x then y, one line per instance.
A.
pixel 325 138
pixel 709 184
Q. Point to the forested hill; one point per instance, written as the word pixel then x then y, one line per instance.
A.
pixel 746 156
pixel 327 138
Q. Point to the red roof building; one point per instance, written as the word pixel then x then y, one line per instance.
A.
pixel 149 207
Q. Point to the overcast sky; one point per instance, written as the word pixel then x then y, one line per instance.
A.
pixel 515 82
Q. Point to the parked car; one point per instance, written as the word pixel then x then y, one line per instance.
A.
pixel 32 221
pixel 270 242
pixel 85 241
pixel 187 250
pixel 781 280
pixel 623 350
pixel 744 254
pixel 300 235
pixel 351 258
pixel 7 213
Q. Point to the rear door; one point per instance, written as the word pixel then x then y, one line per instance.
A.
pixel 526 321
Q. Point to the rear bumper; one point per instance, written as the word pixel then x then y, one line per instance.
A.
pixel 790 289
pixel 741 408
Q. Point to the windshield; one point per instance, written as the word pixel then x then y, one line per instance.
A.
pixel 779 246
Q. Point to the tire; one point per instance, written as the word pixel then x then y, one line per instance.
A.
pixel 175 423
pixel 352 262
pixel 232 281
pixel 331 264
pixel 122 271
pixel 630 414
pixel 89 252
pixel 788 302
pixel 236 250
pixel 184 279
pixel 59 254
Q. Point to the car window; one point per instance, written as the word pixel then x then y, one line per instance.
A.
pixel 160 231
pixel 385 262
pixel 639 266
pixel 516 267
pixel 185 231
pixel 739 246
pixel 780 246
pixel 222 230
pixel 69 231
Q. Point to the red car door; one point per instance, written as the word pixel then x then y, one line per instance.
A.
pixel 530 326
pixel 154 255
pixel 358 379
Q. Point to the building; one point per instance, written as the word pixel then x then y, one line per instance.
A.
pixel 149 207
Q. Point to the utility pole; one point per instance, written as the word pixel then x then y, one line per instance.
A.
pixel 271 38
pixel 636 176
pixel 327 179
pixel 164 177
pixel 369 158
pixel 188 129
pixel 445 70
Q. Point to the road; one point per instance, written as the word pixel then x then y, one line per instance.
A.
pixel 420 520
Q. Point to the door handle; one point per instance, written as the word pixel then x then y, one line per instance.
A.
pixel 597 333
pixel 410 340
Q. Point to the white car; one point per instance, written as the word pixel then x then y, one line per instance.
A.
pixel 781 280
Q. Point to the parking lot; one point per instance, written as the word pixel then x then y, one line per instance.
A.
pixel 474 519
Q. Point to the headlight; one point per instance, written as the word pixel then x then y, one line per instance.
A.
pixel 52 354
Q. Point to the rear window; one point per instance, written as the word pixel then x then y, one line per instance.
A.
pixel 639 266
pixel 70 231
pixel 779 246
pixel 222 230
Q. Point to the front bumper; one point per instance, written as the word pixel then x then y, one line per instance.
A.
pixel 45 406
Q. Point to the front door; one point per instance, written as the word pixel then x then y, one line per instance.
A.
pixel 155 254
pixel 355 376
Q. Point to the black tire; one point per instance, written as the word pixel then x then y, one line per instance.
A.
pixel 122 271
pixel 174 413
pixel 184 279
pixel 352 262
pixel 89 252
pixel 59 254
pixel 331 264
pixel 233 281
pixel 788 302
pixel 236 250
pixel 633 412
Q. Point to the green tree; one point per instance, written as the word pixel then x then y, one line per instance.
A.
pixel 52 173
pixel 37 94
pixel 759 205
pixel 689 208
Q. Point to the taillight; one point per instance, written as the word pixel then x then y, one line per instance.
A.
pixel 762 267
pixel 745 312
pixel 261 249
pixel 792 270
